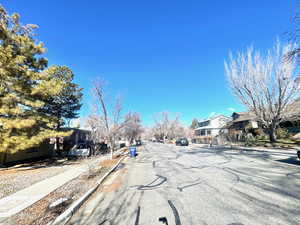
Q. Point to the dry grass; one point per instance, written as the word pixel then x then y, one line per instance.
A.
pixel 39 214
pixel 109 162
pixel 24 175
pixel 112 187
pixel 14 180
pixel 117 182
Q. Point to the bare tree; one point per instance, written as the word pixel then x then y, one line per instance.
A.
pixel 293 37
pixel 106 121
pixel 96 124
pixel 161 125
pixel 166 127
pixel 189 132
pixel 132 127
pixel 265 84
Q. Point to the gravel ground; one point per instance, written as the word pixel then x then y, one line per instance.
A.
pixel 40 214
pixel 25 175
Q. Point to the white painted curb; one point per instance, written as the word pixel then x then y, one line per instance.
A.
pixel 66 215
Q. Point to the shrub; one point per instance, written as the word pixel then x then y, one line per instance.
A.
pixel 281 133
pixel 258 132
pixel 250 140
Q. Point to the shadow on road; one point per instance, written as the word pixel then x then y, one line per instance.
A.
pixel 290 160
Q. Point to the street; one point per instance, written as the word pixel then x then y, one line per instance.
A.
pixel 168 184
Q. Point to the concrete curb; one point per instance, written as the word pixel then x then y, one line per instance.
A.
pixel 66 215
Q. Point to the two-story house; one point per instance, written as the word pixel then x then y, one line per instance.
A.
pixel 211 127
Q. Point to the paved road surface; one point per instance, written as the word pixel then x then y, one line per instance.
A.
pixel 193 185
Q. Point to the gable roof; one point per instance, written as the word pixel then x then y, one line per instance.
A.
pixel 213 118
pixel 209 126
pixel 292 112
pixel 244 116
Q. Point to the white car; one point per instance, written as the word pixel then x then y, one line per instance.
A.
pixel 80 150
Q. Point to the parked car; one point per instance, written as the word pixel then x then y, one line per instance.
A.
pixel 80 150
pixel 138 142
pixel 100 148
pixel 182 142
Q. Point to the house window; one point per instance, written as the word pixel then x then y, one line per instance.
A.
pixel 204 123
pixel 208 132
pixel 202 132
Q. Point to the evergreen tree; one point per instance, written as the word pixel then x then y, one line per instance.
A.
pixel 194 124
pixel 66 104
pixel 23 86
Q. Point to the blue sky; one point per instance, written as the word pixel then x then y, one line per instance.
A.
pixel 159 55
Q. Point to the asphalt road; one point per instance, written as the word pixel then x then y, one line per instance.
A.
pixel 173 185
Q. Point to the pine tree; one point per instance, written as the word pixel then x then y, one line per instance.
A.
pixel 194 124
pixel 66 104
pixel 23 86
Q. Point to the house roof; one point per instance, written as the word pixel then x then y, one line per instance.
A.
pixel 213 117
pixel 293 110
pixel 209 119
pixel 75 129
pixel 244 116
pixel 207 127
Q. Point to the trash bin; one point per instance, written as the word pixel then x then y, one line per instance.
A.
pixel 132 151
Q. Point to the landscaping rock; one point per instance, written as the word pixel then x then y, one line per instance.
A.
pixel 268 145
pixel 60 202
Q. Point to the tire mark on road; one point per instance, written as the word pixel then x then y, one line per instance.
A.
pixel 160 179
pixel 229 170
pixel 175 212
pixel 186 186
pixel 137 216
pixel 103 222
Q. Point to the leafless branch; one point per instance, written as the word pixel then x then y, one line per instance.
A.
pixel 265 84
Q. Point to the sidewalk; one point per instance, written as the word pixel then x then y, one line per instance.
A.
pixel 22 199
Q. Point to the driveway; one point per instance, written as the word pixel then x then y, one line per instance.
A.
pixel 173 185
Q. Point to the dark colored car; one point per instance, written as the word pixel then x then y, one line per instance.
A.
pixel 138 142
pixel 182 142
pixel 298 154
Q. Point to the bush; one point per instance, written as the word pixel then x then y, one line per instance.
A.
pixel 268 145
pixel 281 133
pixel 250 140
pixel 258 132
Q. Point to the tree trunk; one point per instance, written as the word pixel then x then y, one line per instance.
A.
pixel 111 151
pixel 111 148
pixel 57 143
pixel 272 135
pixel 5 156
